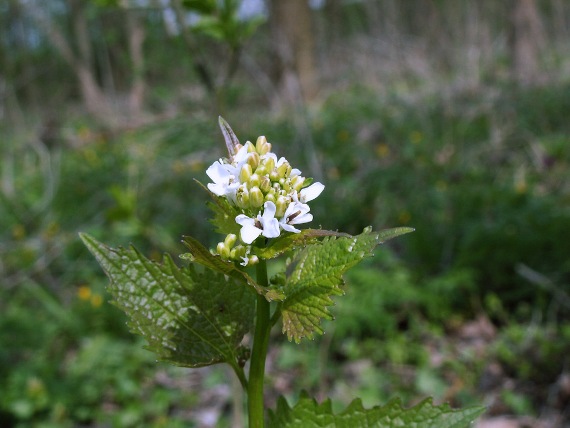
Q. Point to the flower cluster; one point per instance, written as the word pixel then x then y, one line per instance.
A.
pixel 271 195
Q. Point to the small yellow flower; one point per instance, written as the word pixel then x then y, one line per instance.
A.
pixel 35 387
pixel 382 150
pixel 91 157
pixel 404 217
pixel 520 184
pixel 96 300
pixel 416 137
pixel 178 167
pixel 18 231
pixel 196 165
pixel 441 186
pixel 343 135
pixel 84 292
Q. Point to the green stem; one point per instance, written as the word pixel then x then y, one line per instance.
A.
pixel 255 405
pixel 276 315
pixel 240 375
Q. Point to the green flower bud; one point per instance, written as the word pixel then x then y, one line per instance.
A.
pixel 269 164
pixel 238 252
pixel 253 260
pixel 242 197
pixel 230 240
pixel 270 197
pixel 245 173
pixel 276 187
pixel 253 159
pixel 262 146
pixel 250 147
pixel 284 169
pixel 265 184
pixel 261 170
pixel 222 250
pixel 281 204
pixel 274 175
pixel 254 181
pixel 297 182
pixel 256 197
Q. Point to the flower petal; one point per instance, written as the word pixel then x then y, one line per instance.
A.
pixel 249 233
pixel 217 189
pixel 269 222
pixel 288 227
pixel 302 218
pixel 241 156
pixel 296 213
pixel 309 193
pixel 217 172
pixel 271 228
pixel 244 220
pixel 269 209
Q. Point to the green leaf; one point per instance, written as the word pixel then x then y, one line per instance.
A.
pixel 290 241
pixel 200 254
pixel 188 318
pixel 224 213
pixel 315 274
pixel 224 218
pixel 210 26
pixel 307 413
pixel 200 6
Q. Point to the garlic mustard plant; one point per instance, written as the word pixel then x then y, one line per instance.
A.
pixel 270 193
pixel 198 314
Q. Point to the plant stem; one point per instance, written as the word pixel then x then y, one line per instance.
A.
pixel 255 402
pixel 240 375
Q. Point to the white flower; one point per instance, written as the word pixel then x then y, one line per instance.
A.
pixel 225 176
pixel 266 224
pixel 240 158
pixel 245 258
pixel 309 193
pixel 224 182
pixel 296 213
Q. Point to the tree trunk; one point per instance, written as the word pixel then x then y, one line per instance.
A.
pixel 136 36
pixel 294 43
pixel 93 97
pixel 527 40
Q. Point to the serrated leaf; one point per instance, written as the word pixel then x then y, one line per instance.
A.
pixel 224 213
pixel 288 242
pixel 387 234
pixel 201 255
pixel 307 413
pixel 224 218
pixel 315 274
pixel 188 318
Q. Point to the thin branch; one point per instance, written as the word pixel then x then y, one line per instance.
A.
pixel 542 281
pixel 199 64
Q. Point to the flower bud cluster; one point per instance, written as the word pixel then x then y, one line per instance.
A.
pixel 271 195
pixel 228 250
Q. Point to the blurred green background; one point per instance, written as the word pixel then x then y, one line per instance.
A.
pixel 450 116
